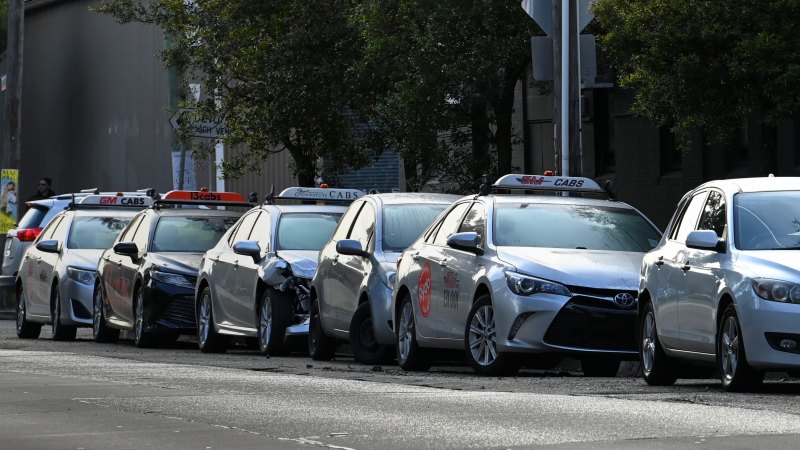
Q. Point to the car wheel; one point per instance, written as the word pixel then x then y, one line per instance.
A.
pixel 273 318
pixel 321 347
pixel 366 349
pixel 480 340
pixel 409 355
pixel 60 332
pixel 100 331
pixel 141 337
pixel 658 369
pixel 736 373
pixel 598 366
pixel 25 328
pixel 208 340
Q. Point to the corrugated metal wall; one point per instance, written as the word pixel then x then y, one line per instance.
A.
pixel 274 171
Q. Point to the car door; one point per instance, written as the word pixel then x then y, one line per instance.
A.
pixel 666 298
pixel 232 307
pixel 128 267
pixel 32 277
pixel 432 318
pixel 330 278
pixel 701 276
pixel 352 269
pixel 111 263
pixel 458 275
pixel 48 261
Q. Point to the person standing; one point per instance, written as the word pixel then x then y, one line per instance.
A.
pixel 43 190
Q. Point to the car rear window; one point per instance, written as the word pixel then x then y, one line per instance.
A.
pixel 33 218
pixel 95 232
pixel 573 226
pixel 404 223
pixel 306 231
pixel 190 234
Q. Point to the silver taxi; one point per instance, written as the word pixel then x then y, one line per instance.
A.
pixel 723 286
pixel 352 289
pixel 255 282
pixel 55 281
pixel 505 275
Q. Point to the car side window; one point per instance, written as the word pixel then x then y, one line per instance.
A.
pixel 713 217
pixel 60 231
pixel 676 219
pixel 127 233
pixel 364 226
pixel 346 223
pixel 450 223
pixel 47 233
pixel 245 227
pixel 690 215
pixel 475 221
pixel 261 231
pixel 142 234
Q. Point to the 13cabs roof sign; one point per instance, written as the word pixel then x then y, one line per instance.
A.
pixel 119 200
pixel 547 183
pixel 204 196
pixel 321 194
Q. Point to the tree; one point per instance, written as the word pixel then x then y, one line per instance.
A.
pixel 705 64
pixel 279 72
pixel 444 75
pixel 3 25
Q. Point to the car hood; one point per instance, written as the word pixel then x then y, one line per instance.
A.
pixel 303 262
pixel 586 268
pixel 181 262
pixel 775 264
pixel 82 258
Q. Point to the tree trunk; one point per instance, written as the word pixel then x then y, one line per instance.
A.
pixel 305 168
pixel 504 110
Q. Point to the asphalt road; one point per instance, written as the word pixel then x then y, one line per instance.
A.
pixel 73 395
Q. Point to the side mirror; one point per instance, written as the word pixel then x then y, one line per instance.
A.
pixel 703 240
pixel 126 249
pixel 248 248
pixel 469 242
pixel 48 246
pixel 350 247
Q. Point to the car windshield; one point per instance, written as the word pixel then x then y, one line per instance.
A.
pixel 403 223
pixel 573 226
pixel 305 231
pixel 767 220
pixel 190 234
pixel 95 232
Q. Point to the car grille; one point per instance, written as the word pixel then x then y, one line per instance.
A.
pixel 179 313
pixel 594 323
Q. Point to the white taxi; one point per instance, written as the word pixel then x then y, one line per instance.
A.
pixel 505 275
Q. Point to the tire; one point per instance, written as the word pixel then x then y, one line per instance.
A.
pixel 101 332
pixel 208 340
pixel 658 369
pixel 735 373
pixel 141 337
pixel 366 349
pixel 25 328
pixel 600 367
pixel 480 342
pixel 321 347
pixel 409 355
pixel 60 332
pixel 274 314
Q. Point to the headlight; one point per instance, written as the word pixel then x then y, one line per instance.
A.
pixel 83 276
pixel 525 285
pixel 173 278
pixel 777 291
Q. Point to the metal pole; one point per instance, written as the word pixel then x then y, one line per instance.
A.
pixel 565 76
pixel 16 29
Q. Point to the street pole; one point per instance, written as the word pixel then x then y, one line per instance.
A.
pixel 16 26
pixel 565 92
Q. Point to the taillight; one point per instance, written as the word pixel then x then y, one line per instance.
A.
pixel 28 234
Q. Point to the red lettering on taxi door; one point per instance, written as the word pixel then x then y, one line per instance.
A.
pixel 424 290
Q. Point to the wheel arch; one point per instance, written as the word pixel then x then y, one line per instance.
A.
pixel 481 290
pixel 724 300
pixel 401 293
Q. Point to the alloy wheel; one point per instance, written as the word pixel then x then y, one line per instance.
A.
pixel 482 331
pixel 730 348
pixel 139 322
pixel 56 319
pixel 21 311
pixel 406 333
pixel 205 318
pixel 649 342
pixel 265 323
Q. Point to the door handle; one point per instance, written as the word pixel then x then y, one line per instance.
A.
pixel 685 267
pixel 415 256
pixel 119 263
pixel 443 262
pixel 235 263
pixel 660 261
pixel 215 258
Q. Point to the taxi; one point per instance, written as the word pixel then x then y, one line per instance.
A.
pixel 54 284
pixel 522 278
pixel 146 280
pixel 255 283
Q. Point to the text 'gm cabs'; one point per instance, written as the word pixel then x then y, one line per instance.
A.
pixel 255 282
pixel 146 281
pixel 504 275
pixel 55 281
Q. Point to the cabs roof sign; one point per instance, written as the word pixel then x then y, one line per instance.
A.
pixel 120 200
pixel 547 183
pixel 321 194
pixel 204 196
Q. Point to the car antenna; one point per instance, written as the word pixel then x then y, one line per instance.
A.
pixel 270 198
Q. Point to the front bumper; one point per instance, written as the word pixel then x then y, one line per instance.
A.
pixel 77 301
pixel 169 308
pixel 579 324
pixel 759 317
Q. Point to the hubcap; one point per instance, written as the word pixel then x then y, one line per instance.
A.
pixel 205 319
pixel 482 336
pixel 139 325
pixel 56 312
pixel 729 348
pixel 406 331
pixel 21 310
pixel 98 311
pixel 266 323
pixel 649 342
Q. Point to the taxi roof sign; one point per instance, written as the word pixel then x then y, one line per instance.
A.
pixel 115 201
pixel 321 194
pixel 204 196
pixel 547 183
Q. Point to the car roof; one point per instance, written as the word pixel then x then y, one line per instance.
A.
pixel 393 198
pixel 195 212
pixel 756 184
pixel 556 200
pixel 306 208
pixel 110 212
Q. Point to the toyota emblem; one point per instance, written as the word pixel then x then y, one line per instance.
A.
pixel 624 300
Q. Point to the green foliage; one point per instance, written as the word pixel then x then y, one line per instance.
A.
pixel 3 25
pixel 705 64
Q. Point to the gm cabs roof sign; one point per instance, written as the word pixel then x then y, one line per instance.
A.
pixel 547 183
pixel 204 196
pixel 321 194
pixel 141 201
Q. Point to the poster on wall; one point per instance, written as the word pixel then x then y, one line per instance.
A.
pixel 189 183
pixel 8 199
